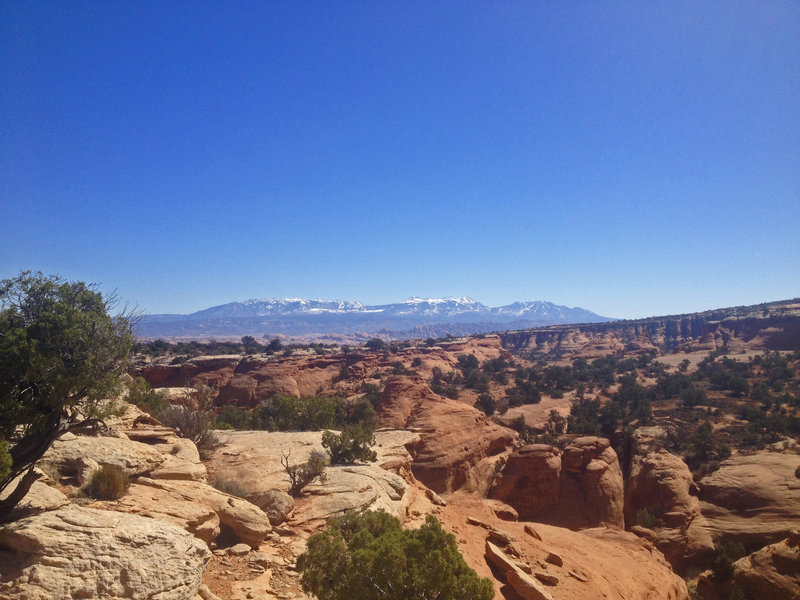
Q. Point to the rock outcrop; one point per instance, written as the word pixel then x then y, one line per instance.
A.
pixel 135 442
pixel 592 564
pixel 253 459
pixel 458 446
pixel 578 487
pixel 246 522
pixel 772 572
pixel 753 499
pixel 77 552
pixel 660 487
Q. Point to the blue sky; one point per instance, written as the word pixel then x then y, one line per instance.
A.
pixel 634 159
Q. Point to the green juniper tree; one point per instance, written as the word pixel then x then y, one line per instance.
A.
pixel 371 557
pixel 62 354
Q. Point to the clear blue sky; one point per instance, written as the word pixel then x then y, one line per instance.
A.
pixel 634 159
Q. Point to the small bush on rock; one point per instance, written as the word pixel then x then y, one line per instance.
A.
pixel 727 554
pixel 303 474
pixel 109 482
pixel 232 487
pixel 645 518
pixel 145 397
pixel 194 423
pixel 351 445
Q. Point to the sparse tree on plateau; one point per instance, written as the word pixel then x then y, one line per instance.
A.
pixel 61 355
pixel 375 344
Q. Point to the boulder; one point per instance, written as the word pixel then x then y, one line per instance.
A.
pixel 244 521
pixel 69 456
pixel 772 572
pixel 527 587
pixel 530 480
pixel 41 497
pixel 78 552
pixel 277 504
pixel 162 455
pixel 165 504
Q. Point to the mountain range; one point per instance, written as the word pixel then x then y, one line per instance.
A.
pixel 301 318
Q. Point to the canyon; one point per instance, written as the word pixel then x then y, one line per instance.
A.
pixel 542 513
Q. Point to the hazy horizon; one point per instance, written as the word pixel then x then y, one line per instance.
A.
pixel 630 159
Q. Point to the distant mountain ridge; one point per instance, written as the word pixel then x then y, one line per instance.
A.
pixel 301 317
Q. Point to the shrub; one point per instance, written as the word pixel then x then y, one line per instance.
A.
pixel 145 397
pixel 309 413
pixel 727 554
pixel 486 403
pixel 692 396
pixel 232 487
pixel 370 556
pixel 375 344
pixel 109 482
pixel 556 423
pixel 193 423
pixel 303 474
pixel 233 417
pixel 645 518
pixel 372 393
pixel 352 444
pixel 5 460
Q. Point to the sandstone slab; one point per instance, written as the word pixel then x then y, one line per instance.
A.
pixel 245 521
pixel 253 458
pixel 78 552
pixel 753 499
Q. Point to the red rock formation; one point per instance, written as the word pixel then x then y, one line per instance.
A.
pixel 771 573
pixel 456 439
pixel 531 480
pixel 662 484
pixel 213 371
pixel 579 487
pixel 753 499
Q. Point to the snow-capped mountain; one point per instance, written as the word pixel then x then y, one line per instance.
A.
pixel 302 317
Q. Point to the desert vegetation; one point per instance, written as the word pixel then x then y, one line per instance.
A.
pixel 371 556
pixel 63 356
pixel 109 482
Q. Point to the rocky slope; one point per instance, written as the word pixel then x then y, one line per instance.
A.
pixel 772 326
pixel 170 505
pixel 753 499
pixel 458 446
